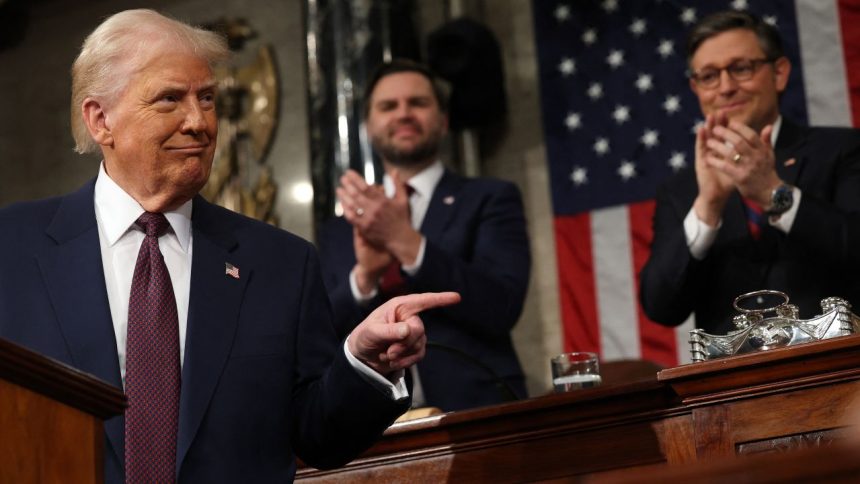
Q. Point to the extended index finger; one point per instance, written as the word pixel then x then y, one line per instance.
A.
pixel 412 304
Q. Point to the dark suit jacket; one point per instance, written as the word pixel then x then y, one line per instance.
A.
pixel 263 379
pixel 817 259
pixel 476 245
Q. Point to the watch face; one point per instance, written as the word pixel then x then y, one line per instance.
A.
pixel 781 200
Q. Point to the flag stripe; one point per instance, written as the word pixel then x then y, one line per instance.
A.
pixel 658 342
pixel 823 67
pixel 849 17
pixel 576 283
pixel 616 295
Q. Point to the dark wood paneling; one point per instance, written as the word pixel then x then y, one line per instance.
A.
pixel 706 412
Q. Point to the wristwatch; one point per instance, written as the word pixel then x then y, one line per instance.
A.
pixel 781 199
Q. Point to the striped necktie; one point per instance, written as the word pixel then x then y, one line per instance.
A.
pixel 755 217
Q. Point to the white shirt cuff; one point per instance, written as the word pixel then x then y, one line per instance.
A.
pixel 419 259
pixel 786 220
pixel 356 293
pixel 700 236
pixel 395 388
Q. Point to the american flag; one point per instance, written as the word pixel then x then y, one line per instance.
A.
pixel 231 270
pixel 619 117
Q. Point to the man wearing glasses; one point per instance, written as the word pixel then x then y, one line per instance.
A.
pixel 771 205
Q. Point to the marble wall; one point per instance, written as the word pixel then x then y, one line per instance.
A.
pixel 36 147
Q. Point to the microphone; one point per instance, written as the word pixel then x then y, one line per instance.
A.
pixel 507 393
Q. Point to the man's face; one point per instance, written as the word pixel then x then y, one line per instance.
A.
pixel 162 131
pixel 404 122
pixel 755 101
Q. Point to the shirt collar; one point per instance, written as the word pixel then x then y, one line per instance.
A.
pixel 423 182
pixel 774 135
pixel 117 211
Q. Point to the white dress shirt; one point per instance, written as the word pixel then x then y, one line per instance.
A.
pixel 701 236
pixel 120 239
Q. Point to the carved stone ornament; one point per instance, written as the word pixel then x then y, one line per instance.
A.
pixel 762 329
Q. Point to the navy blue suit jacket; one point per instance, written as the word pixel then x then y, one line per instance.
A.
pixel 476 245
pixel 817 259
pixel 264 377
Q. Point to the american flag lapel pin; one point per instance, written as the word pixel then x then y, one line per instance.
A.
pixel 231 270
pixel 449 200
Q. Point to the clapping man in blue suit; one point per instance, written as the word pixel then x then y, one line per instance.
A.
pixel 428 229
pixel 217 326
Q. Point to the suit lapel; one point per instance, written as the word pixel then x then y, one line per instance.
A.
pixel 213 313
pixel 442 206
pixel 791 143
pixel 75 282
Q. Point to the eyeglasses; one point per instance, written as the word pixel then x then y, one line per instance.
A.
pixel 740 70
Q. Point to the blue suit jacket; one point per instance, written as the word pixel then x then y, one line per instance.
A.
pixel 476 245
pixel 263 377
pixel 817 259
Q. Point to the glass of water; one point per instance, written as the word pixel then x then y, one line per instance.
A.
pixel 572 371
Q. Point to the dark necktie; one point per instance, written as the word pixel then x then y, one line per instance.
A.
pixel 755 217
pixel 152 364
pixel 391 283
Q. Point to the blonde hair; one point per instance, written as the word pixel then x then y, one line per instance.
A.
pixel 120 46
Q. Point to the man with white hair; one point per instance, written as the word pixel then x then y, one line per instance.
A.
pixel 217 326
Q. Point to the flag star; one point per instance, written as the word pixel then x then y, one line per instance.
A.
pixel 644 83
pixel 627 170
pixel 615 58
pixel 562 13
pixel 672 104
pixel 650 138
pixel 739 4
pixel 666 48
pixel 567 66
pixel 595 91
pixel 688 16
pixel 589 37
pixel 677 161
pixel 696 125
pixel 770 20
pixel 573 121
pixel 609 5
pixel 621 114
pixel 601 146
pixel 638 27
pixel 579 176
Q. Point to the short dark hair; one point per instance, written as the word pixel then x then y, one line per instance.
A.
pixel 405 65
pixel 768 36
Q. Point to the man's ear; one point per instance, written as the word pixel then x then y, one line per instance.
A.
pixel 781 69
pixel 95 118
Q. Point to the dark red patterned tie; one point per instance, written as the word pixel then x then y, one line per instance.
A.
pixel 152 364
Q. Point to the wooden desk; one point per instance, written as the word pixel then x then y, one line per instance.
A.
pixel 51 419
pixel 783 399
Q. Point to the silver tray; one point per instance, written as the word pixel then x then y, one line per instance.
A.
pixel 761 329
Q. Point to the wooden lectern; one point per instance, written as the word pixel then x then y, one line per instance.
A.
pixel 782 400
pixel 51 415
